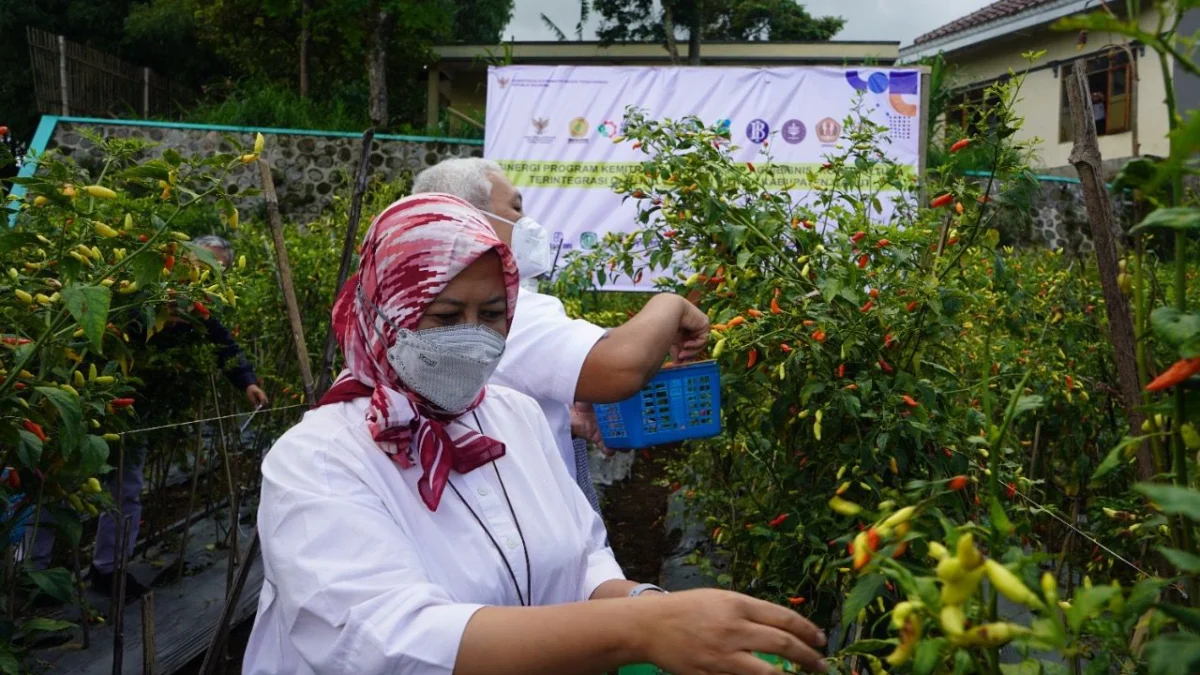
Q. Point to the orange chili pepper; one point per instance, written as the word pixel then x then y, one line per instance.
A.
pixel 775 306
pixel 35 429
pixel 959 145
pixel 841 371
pixel 867 307
pixel 796 601
pixel 942 200
pixel 957 483
pixel 873 539
pixel 883 243
pixel 736 321
pixel 754 313
pixel 752 359
pixel 1178 372
pixel 783 346
pixel 169 263
pixel 858 236
pixel 874 293
pixel 863 260
pixel 911 306
pixel 807 322
pixel 200 309
pixel 909 401
pixel 818 335
pixel 778 520
pixel 901 549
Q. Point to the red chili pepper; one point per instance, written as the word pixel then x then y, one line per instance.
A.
pixel 1012 490
pixel 750 166
pixel 783 346
pixel 752 359
pixel 888 340
pixel 953 241
pixel 858 236
pixel 1178 372
pixel 946 452
pixel 873 539
pixel 818 335
pixel 670 234
pixel 957 483
pixel 901 549
pixel 909 401
pixel 960 145
pixel 863 260
pixel 874 293
pixel 35 429
pixel 778 520
pixel 867 307
pixel 14 479
pixel 796 601
pixel 883 243
pixel 169 263
pixel 121 402
pixel 1070 383
pixel 911 306
pixel 775 306
pixel 143 238
pixel 637 278
pixel 887 368
pixel 826 166
pixel 942 200
pixel 841 371
pixel 200 309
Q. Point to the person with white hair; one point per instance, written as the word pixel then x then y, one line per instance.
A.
pixel 566 365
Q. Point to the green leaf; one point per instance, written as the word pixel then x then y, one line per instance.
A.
pixel 147 268
pixel 868 646
pixel 1049 633
pixel 1114 460
pixel 9 665
pixel 1178 329
pixel 1000 519
pixel 205 256
pixel 1176 218
pixel 1186 616
pixel 866 590
pixel 1087 603
pixel 1172 500
pixel 70 424
pixel 93 454
pixel 1186 563
pixel 89 306
pixel 65 522
pixel 55 582
pixel 929 654
pixel 30 449
pixel 1174 654
pixel 1027 403
pixel 44 625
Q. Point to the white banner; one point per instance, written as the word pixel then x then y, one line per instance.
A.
pixel 550 127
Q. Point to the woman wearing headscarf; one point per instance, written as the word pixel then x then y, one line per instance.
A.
pixel 418 522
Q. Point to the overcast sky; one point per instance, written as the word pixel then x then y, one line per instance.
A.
pixel 889 20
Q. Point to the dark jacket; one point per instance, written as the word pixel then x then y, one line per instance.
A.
pixel 229 355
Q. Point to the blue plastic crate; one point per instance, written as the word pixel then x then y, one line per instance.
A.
pixel 680 403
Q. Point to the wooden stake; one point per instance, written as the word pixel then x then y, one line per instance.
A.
pixel 148 641
pixel 360 189
pixel 1085 156
pixel 187 520
pixel 119 575
pixel 216 650
pixel 84 617
pixel 285 278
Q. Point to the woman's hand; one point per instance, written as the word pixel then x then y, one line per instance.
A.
pixel 711 632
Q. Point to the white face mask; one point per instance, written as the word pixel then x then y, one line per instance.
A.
pixel 530 246
pixel 447 366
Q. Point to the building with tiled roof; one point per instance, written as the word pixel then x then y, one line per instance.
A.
pixel 1126 80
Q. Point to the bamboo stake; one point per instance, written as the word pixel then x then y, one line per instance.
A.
pixel 360 189
pixel 187 520
pixel 285 277
pixel 119 519
pixel 216 649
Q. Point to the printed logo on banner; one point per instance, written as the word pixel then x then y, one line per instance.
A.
pixel 579 130
pixel 607 129
pixel 503 81
pixel 828 131
pixel 758 130
pixel 793 131
pixel 588 241
pixel 539 128
pixel 896 84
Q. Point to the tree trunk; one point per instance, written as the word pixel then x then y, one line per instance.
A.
pixel 305 44
pixel 669 29
pixel 694 33
pixel 377 65
pixel 1085 156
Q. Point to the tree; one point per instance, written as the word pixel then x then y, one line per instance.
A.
pixel 740 20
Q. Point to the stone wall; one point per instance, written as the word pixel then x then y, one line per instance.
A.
pixel 307 168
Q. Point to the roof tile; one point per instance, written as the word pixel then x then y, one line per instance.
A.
pixel 993 12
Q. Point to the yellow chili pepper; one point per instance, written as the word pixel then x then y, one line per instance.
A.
pixel 1011 586
pixel 23 296
pixel 106 231
pixel 100 191
pixel 79 381
pixel 844 507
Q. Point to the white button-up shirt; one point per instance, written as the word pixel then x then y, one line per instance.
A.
pixel 543 357
pixel 362 578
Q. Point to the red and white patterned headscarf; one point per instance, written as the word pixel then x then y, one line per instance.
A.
pixel 410 253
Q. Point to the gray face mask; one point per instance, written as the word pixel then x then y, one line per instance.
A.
pixel 446 366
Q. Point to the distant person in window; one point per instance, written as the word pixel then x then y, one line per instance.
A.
pixel 1100 112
